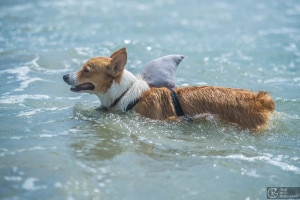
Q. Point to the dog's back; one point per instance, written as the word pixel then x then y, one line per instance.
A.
pixel 246 108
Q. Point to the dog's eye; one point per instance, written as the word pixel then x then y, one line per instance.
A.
pixel 86 70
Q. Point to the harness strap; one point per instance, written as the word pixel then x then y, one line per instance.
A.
pixel 176 103
pixel 118 99
pixel 131 105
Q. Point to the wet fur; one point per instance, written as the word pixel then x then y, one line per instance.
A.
pixel 250 110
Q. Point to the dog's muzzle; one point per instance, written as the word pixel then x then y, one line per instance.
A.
pixel 70 79
pixel 67 79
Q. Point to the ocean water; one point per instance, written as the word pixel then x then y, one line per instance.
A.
pixel 54 145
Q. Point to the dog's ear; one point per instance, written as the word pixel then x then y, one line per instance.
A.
pixel 118 51
pixel 118 62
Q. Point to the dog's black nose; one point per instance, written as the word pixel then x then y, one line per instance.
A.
pixel 66 78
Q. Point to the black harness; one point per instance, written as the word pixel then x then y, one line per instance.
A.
pixel 175 101
pixel 176 104
pixel 132 104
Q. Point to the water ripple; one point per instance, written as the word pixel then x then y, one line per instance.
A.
pixel 18 99
pixel 267 158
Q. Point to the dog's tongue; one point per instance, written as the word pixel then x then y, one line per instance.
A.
pixel 84 86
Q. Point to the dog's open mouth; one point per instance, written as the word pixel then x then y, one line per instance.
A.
pixel 84 86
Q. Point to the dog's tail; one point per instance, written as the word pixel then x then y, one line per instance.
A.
pixel 265 106
pixel 265 102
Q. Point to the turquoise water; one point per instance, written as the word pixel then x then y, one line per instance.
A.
pixel 54 145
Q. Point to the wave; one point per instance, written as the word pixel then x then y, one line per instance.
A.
pixel 22 77
pixel 267 158
pixel 35 111
pixel 21 74
pixel 35 65
pixel 17 99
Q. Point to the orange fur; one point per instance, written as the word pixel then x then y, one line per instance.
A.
pixel 156 104
pixel 102 71
pixel 246 108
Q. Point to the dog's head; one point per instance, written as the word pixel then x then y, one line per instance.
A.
pixel 97 74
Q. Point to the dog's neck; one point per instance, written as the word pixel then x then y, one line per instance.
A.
pixel 129 89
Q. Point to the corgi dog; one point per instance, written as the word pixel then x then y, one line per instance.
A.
pixel 119 89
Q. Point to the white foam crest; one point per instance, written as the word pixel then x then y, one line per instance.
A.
pixel 17 99
pixel 84 51
pixel 25 84
pixel 47 135
pixel 22 150
pixel 21 74
pixel 281 115
pixel 30 184
pixel 277 80
pixel 35 111
pixel 70 98
pixel 13 178
pixel 268 158
pixel 38 67
pixel 29 113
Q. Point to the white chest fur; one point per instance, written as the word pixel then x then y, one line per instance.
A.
pixel 130 84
